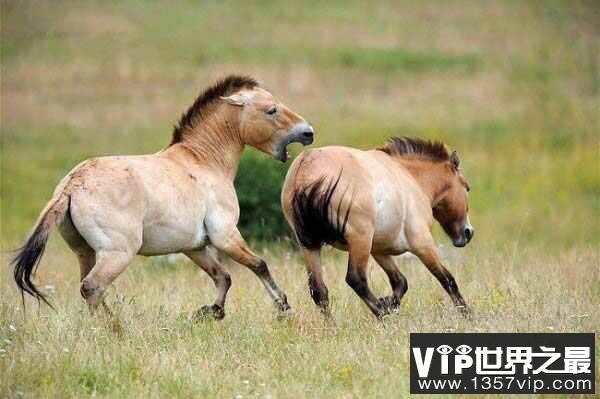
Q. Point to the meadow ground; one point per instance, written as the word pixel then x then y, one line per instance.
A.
pixel 514 86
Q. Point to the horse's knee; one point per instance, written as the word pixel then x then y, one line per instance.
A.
pixel 225 281
pixel 318 292
pixel 258 267
pixel 402 286
pixel 357 283
pixel 90 291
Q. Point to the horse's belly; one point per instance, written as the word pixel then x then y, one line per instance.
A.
pixel 166 239
pixel 390 243
pixel 389 235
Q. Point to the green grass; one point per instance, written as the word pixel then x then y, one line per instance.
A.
pixel 154 350
pixel 513 86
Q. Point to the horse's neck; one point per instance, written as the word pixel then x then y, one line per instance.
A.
pixel 430 176
pixel 216 146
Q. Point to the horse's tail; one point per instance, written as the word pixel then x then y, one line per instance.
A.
pixel 315 220
pixel 29 255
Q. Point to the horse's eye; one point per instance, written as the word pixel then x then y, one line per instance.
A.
pixel 272 110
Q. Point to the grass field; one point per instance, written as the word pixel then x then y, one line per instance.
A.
pixel 514 86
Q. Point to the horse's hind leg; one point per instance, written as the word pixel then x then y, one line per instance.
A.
pixel 316 285
pixel 359 251
pixel 219 276
pixel 86 255
pixel 87 260
pixel 109 265
pixel 398 282
pixel 430 258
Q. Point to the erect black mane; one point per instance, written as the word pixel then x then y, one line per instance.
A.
pixel 223 87
pixel 407 146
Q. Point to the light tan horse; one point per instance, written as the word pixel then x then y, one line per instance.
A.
pixel 181 199
pixel 382 203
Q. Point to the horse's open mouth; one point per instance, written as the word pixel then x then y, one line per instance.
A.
pixel 285 155
pixel 302 133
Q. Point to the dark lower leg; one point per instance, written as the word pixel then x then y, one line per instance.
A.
pixel 397 280
pixel 262 271
pixel 220 278
pixel 234 245
pixel 357 280
pixel 316 285
pixel 319 293
pixel 447 281
pixel 433 262
pixel 359 251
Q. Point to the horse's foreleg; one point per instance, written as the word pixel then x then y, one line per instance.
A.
pixel 398 282
pixel 234 245
pixel 316 285
pixel 219 276
pixel 430 258
pixel 356 276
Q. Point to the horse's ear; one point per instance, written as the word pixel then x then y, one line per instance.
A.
pixel 236 99
pixel 454 160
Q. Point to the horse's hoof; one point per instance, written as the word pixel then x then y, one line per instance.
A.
pixel 389 304
pixel 466 312
pixel 283 306
pixel 326 313
pixel 283 315
pixel 209 312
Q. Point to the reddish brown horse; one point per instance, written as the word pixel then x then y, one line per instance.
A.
pixel 382 203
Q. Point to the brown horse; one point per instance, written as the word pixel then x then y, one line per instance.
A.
pixel 181 199
pixel 382 203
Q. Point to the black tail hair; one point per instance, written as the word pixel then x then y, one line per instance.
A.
pixel 29 255
pixel 27 260
pixel 314 223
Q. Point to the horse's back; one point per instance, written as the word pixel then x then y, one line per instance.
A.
pixel 362 169
pixel 145 198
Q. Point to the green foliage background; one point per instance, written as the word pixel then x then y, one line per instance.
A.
pixel 258 185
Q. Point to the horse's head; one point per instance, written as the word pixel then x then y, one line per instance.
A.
pixel 452 207
pixel 267 124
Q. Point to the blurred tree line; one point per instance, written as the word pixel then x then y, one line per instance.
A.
pixel 258 185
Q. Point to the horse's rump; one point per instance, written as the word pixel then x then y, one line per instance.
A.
pixel 316 220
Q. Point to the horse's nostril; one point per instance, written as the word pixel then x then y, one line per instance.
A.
pixel 469 232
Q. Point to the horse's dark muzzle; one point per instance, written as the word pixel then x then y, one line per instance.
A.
pixel 307 137
pixel 465 237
